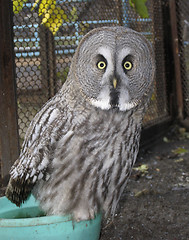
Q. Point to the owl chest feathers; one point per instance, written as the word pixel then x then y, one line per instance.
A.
pixel 101 137
pixel 90 162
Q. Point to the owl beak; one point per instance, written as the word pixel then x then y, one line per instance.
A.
pixel 115 82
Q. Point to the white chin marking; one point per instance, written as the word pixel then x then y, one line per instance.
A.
pixel 128 106
pixel 103 103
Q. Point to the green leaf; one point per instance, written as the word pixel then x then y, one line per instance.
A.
pixel 165 139
pixel 153 97
pixel 140 7
pixel 18 5
pixel 53 19
pixel 35 4
pixel 179 160
pixel 143 168
pixel 73 17
pixel 180 151
pixel 45 5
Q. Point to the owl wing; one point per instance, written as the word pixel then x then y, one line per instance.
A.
pixel 35 156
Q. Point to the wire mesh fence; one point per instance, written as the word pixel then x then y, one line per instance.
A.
pixel 43 59
pixel 182 7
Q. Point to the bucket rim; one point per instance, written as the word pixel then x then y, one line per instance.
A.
pixel 35 221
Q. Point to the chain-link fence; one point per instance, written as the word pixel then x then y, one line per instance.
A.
pixel 182 7
pixel 43 60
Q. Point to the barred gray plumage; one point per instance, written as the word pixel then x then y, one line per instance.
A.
pixel 79 150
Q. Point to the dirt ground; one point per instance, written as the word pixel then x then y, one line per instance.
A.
pixel 155 204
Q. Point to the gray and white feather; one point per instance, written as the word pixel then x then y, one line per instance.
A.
pixel 80 148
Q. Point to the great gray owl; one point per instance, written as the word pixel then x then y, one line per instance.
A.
pixel 80 148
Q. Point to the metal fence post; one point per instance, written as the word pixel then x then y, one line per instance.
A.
pixel 9 138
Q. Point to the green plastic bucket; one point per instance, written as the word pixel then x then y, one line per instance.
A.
pixel 28 222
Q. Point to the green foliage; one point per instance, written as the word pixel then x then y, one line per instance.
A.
pixel 18 5
pixel 52 15
pixel 83 28
pixel 143 169
pixel 180 151
pixel 63 75
pixel 140 7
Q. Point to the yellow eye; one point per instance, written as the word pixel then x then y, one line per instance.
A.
pixel 127 65
pixel 101 65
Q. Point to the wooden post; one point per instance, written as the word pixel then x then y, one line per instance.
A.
pixel 9 138
pixel 48 61
pixel 176 56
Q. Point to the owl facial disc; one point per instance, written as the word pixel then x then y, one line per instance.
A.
pixel 114 68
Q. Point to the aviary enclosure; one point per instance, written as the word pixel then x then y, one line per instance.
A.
pixel 36 65
pixel 34 61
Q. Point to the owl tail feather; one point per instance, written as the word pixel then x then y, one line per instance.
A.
pixel 18 190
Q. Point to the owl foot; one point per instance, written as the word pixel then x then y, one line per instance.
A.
pixel 83 214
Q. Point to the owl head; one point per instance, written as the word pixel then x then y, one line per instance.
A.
pixel 114 68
